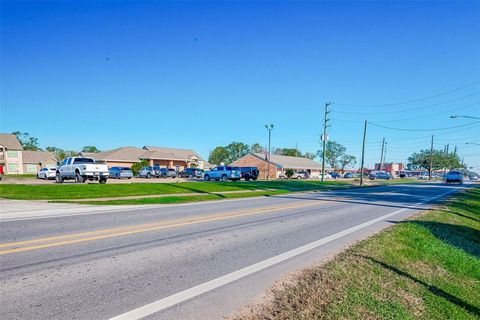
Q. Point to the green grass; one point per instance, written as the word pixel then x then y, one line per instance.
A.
pixel 427 267
pixel 91 191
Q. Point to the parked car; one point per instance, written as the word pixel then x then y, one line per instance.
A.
pixel 191 173
pixel 167 173
pixel 349 175
pixel 424 176
pixel 149 172
pixel 380 175
pixel 249 173
pixel 1 172
pixel 81 169
pixel 121 172
pixel 223 173
pixel 335 175
pixel 473 178
pixel 47 173
pixel 454 176
pixel 319 176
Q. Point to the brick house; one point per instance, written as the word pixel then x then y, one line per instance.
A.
pixel 178 159
pixel 278 164
pixel 11 154
pixel 392 168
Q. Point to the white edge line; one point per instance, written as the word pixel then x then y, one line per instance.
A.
pixel 182 296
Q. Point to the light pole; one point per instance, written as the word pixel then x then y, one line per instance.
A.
pixel 469 117
pixel 269 128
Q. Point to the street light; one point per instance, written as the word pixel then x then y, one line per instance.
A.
pixel 469 117
pixel 269 128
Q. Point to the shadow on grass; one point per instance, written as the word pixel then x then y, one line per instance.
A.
pixel 433 289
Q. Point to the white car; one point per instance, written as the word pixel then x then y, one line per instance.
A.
pixel 47 173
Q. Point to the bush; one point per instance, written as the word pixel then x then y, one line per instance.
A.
pixel 137 167
pixel 289 173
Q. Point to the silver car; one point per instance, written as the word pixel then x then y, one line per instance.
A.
pixel 149 172
pixel 223 173
pixel 121 172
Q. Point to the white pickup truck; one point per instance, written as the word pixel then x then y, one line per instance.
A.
pixel 81 169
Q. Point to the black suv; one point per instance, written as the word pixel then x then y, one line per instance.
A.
pixel 191 173
pixel 249 173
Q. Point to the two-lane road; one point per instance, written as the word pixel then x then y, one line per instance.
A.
pixel 193 261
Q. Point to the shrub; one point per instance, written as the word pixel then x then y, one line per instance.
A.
pixel 289 173
pixel 137 167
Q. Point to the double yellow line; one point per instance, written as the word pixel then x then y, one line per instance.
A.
pixel 61 240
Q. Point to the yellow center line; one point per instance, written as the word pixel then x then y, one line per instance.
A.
pixel 122 231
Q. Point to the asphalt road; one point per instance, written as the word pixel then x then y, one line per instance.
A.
pixel 192 261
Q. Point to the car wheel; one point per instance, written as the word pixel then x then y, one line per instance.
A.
pixel 149 175
pixel 254 178
pixel 207 177
pixel 58 178
pixel 78 178
pixel 224 178
pixel 102 181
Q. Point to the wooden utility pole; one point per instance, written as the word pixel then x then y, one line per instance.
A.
pixel 381 155
pixel 324 137
pixel 269 128
pixel 363 153
pixel 431 160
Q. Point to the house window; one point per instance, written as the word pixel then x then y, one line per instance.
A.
pixel 13 167
pixel 31 168
pixel 12 154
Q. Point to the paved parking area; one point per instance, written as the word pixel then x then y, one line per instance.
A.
pixel 115 181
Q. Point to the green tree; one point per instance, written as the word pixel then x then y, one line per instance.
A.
pixel 137 167
pixel 257 148
pixel 333 152
pixel 219 155
pixel 27 141
pixel 309 155
pixel 90 149
pixel 440 160
pixel 291 152
pixel 61 154
pixel 347 160
pixel 289 173
pixel 236 150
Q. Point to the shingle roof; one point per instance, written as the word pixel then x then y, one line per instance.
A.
pixel 29 156
pixel 170 153
pixel 128 154
pixel 291 162
pixel 10 141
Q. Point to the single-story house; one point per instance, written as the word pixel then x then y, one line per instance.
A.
pixel 10 154
pixel 178 159
pixel 33 161
pixel 278 164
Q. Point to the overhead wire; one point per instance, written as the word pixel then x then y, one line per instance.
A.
pixel 409 101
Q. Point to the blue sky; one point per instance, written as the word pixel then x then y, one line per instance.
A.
pixel 201 74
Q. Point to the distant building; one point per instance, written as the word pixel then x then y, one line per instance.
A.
pixel 178 159
pixel 392 167
pixel 33 161
pixel 278 164
pixel 10 154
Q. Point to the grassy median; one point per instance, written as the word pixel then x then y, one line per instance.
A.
pixel 92 191
pixel 427 267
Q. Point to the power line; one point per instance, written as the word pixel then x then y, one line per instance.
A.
pixel 436 129
pixel 410 109
pixel 408 101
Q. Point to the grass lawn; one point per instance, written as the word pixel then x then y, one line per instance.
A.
pixel 427 267
pixel 87 191
pixel 20 176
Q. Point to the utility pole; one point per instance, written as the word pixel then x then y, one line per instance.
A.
pixel 269 128
pixel 363 153
pixel 385 154
pixel 381 155
pixel 455 150
pixel 431 160
pixel 324 137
